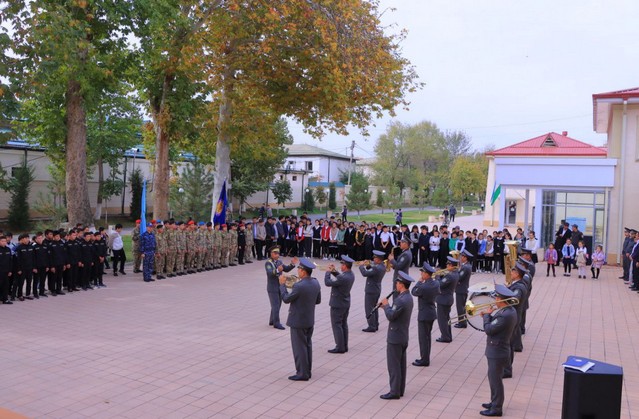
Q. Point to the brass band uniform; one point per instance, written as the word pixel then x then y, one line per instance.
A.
pixel 520 291
pixel 426 290
pixel 461 290
pixel 374 273
pixel 274 267
pixel 402 263
pixel 340 302
pixel 447 285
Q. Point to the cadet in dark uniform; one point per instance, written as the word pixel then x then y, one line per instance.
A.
pixel 519 289
pixel 402 263
pixel 6 270
pixel 447 286
pixel 398 316
pixel 426 290
pixel 147 251
pixel 42 261
pixel 340 302
pixel 498 326
pixel 86 260
pixel 303 298
pixel 461 290
pixel 374 273
pixel 274 268
pixel 58 264
pixel 526 260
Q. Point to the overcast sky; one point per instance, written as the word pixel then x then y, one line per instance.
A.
pixel 506 71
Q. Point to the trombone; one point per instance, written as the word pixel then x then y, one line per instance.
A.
pixel 472 309
pixel 367 263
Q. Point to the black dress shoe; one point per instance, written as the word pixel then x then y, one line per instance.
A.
pixel 7 302
pixel 518 350
pixel 460 326
pixel 369 330
pixel 279 326
pixel 490 413
pixel 297 378
pixel 419 363
pixel 123 273
pixel 270 323
pixel 335 351
pixel 249 261
pixel 389 396
pixel 115 274
pixel 442 340
pixel 507 376
pixel 486 405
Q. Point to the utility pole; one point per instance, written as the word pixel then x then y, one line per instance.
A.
pixel 350 171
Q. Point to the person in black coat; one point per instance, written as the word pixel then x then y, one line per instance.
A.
pixel 6 270
pixel 304 296
pixel 561 236
pixel 374 273
pixel 58 262
pixel 74 261
pixel 99 256
pixel 241 243
pixel 24 268
pixel 274 268
pixel 398 316
pixel 461 290
pixel 426 290
pixel 519 289
pixel 444 244
pixel 86 261
pixel 423 245
pixel 340 302
pixel 498 326
pixel 447 286
pixel 42 262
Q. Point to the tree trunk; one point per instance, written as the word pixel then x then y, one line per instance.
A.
pixel 98 206
pixel 77 188
pixel 161 174
pixel 223 148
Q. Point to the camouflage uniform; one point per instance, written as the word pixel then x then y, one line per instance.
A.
pixel 217 247
pixel 137 256
pixel 224 247
pixel 250 242
pixel 233 245
pixel 160 251
pixel 208 258
pixel 191 248
pixel 171 251
pixel 180 245
pixel 201 241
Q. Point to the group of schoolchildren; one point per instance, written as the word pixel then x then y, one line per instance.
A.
pixel 51 261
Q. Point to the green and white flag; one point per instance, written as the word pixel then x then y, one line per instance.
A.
pixel 496 193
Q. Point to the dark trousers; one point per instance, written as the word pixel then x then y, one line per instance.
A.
pixel 423 257
pixel 147 265
pixel 495 373
pixel 317 245
pixel 308 245
pixel 625 263
pixel 118 257
pixel 396 363
pixel 460 303
pixel 559 255
pixel 55 279
pixel 595 272
pixel 4 286
pixel 18 283
pixel 85 275
pixel 370 301
pixel 41 279
pixel 424 329
pixel 29 278
pixel 415 252
pixel 240 254
pixel 443 315
pixel 302 345
pixel 548 267
pixel 259 249
pixel 268 243
pixel 74 273
pixel 276 302
pixel 98 273
pixel 339 322
pixel 567 265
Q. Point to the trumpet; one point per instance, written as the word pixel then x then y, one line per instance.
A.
pixel 367 263
pixel 441 272
pixel 472 309
pixel 326 268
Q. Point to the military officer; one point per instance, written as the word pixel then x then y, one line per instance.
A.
pixel 147 249
pixel 180 244
pixel 171 248
pixel 498 326
pixel 526 260
pixel 209 246
pixel 461 290
pixel 628 244
pixel 520 291
pixel 274 268
pixel 398 316
pixel 340 302
pixel 447 286
pixel 303 298
pixel 402 263
pixel 217 246
pixel 374 273
pixel 137 255
pixel 225 246
pixel 161 246
pixel 426 290
pixel 233 245
pixel 250 242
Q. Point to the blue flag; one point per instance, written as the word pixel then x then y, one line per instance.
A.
pixel 220 208
pixel 143 208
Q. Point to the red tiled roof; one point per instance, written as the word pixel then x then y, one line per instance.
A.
pixel 602 105
pixel 619 94
pixel 551 144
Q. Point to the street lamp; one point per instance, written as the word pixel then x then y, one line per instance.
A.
pixel 135 153
pixel 384 193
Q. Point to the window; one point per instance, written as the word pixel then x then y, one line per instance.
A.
pixel 291 163
pixel 281 177
pixel 294 178
pixel 309 166
pixel 549 142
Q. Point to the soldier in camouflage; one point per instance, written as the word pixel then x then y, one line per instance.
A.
pixel 208 260
pixel 160 251
pixel 250 242
pixel 191 247
pixel 217 247
pixel 137 256
pixel 224 247
pixel 171 251
pixel 201 261
pixel 180 245
pixel 233 245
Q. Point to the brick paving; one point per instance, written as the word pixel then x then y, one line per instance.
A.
pixel 199 346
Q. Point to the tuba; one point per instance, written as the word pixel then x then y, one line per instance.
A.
pixel 510 260
pixel 291 280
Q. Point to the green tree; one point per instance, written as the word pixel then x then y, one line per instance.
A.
pixel 309 201
pixel 192 192
pixel 420 197
pixel 466 177
pixel 379 200
pixel 320 196
pixel 332 204
pixel 18 187
pixel 135 181
pixel 358 197
pixel 282 191
pixel 440 197
pixel 64 56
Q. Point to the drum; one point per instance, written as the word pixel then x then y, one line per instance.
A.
pixel 480 293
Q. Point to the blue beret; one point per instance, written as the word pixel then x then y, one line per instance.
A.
pixel 452 260
pixel 306 263
pixel 149 224
pixel 201 223
pixel 378 253
pixel 404 277
pixel 427 268
pixel 503 291
pixel 346 258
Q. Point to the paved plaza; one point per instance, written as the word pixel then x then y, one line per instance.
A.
pixel 200 346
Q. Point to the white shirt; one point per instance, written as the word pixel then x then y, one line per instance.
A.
pixel 116 241
pixel 434 243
